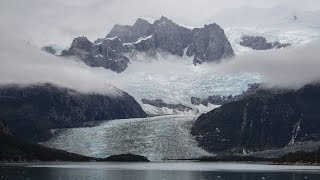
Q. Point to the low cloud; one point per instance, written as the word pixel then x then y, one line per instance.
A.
pixel 285 68
pixel 23 64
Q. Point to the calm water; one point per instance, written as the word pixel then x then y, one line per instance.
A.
pixel 155 171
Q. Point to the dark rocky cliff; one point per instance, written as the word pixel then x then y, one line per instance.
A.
pixel 31 112
pixel 109 53
pixel 264 120
pixel 209 44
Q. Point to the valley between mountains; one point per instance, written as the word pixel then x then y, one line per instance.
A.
pixel 165 91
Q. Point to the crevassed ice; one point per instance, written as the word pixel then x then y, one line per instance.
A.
pixel 177 80
pixel 164 137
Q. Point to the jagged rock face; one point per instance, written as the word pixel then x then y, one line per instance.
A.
pixel 130 34
pixel 146 45
pixel 160 103
pixel 261 121
pixel 109 53
pixel 31 112
pixel 260 43
pixel 209 44
pixel 169 36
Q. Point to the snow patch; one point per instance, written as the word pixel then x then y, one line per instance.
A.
pixel 113 38
pixel 143 39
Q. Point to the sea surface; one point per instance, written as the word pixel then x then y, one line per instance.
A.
pixel 157 171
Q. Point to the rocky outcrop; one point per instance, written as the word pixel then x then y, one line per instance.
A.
pixel 31 112
pixel 264 120
pixel 159 103
pixel 209 44
pixel 260 43
pixel 126 158
pixel 109 53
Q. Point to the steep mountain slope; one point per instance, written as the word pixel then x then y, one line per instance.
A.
pixel 264 120
pixel 207 44
pixel 31 112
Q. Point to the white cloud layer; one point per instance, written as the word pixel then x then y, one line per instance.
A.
pixel 27 25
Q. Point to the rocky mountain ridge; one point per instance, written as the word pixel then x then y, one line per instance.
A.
pixel 124 42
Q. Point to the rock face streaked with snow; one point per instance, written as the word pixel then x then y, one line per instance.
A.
pixel 176 108
pixel 157 138
pixel 129 34
pixel 108 54
pixel 207 44
pixel 261 121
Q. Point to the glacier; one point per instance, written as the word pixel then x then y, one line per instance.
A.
pixel 158 138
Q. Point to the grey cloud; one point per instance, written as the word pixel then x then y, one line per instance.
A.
pixel 59 21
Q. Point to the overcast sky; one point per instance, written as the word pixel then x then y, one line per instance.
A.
pixel 59 21
pixel 26 25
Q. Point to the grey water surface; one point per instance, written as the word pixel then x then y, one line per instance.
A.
pixel 157 171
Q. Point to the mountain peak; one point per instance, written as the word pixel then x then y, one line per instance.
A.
pixel 141 22
pixel 164 20
pixel 81 42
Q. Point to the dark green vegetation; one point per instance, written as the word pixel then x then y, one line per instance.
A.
pixel 263 120
pixel 31 112
pixel 126 158
pixel 301 157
